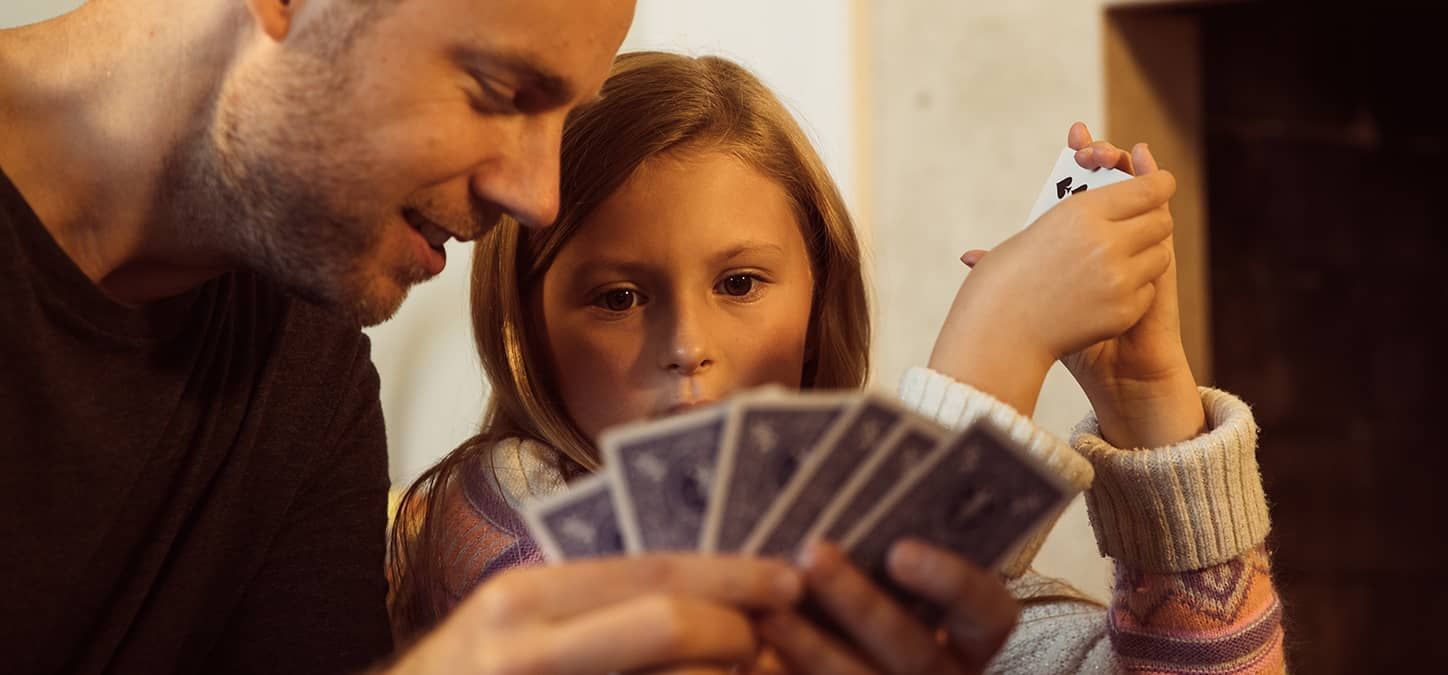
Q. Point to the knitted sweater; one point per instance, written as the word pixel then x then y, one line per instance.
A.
pixel 1185 525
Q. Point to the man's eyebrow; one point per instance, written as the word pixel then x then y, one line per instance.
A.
pixel 485 63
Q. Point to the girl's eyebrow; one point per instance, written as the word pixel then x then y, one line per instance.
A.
pixel 607 265
pixel 747 248
pixel 611 265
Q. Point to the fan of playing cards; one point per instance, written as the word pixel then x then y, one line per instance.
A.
pixel 767 471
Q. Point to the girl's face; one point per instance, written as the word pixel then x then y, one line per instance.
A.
pixel 689 283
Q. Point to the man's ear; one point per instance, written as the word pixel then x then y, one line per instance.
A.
pixel 274 17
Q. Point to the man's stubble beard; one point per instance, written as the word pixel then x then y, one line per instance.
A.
pixel 275 181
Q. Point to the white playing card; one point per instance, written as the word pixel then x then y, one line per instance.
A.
pixel 1068 178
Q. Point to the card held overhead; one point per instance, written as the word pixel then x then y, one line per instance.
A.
pixel 1069 178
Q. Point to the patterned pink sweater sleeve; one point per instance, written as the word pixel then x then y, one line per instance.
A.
pixel 485 537
pixel 1185 525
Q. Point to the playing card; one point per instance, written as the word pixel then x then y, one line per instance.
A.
pixel 662 472
pixel 1068 178
pixel 842 450
pixel 578 523
pixel 905 448
pixel 766 440
pixel 976 494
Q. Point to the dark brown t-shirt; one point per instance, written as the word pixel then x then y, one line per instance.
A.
pixel 196 486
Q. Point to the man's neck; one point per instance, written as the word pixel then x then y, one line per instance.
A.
pixel 94 105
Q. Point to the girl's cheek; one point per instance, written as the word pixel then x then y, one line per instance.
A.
pixel 775 354
pixel 595 375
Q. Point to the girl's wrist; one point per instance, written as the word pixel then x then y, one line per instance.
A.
pixel 1149 414
pixel 990 359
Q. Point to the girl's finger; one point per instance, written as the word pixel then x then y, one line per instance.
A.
pixel 1145 295
pixel 1079 136
pixel 1145 231
pixel 1112 157
pixel 1103 154
pixel 973 257
pixel 1133 197
pixel 1141 155
pixel 1148 266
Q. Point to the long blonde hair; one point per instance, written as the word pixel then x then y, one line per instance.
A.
pixel 652 103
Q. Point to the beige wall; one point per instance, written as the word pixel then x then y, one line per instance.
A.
pixel 968 107
pixel 22 12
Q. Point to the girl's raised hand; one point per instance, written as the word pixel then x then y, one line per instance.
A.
pixel 1084 272
pixel 1139 381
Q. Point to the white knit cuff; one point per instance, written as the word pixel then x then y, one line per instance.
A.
pixel 1183 507
pixel 955 405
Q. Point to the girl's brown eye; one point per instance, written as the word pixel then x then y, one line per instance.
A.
pixel 618 300
pixel 738 285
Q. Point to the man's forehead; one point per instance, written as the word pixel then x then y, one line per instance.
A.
pixel 557 44
pixel 568 23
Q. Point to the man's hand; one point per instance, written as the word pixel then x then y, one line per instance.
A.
pixel 667 613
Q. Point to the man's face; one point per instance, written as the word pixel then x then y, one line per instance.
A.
pixel 347 153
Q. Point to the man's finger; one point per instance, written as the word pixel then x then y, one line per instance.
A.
pixel 689 670
pixel 980 612
pixel 806 649
pixel 648 632
pixel 881 628
pixel 553 592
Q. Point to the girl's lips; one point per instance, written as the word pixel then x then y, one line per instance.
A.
pixel 686 407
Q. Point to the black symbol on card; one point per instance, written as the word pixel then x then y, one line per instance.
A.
pixel 1063 187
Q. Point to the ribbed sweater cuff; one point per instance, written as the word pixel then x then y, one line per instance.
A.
pixel 956 405
pixel 1182 507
